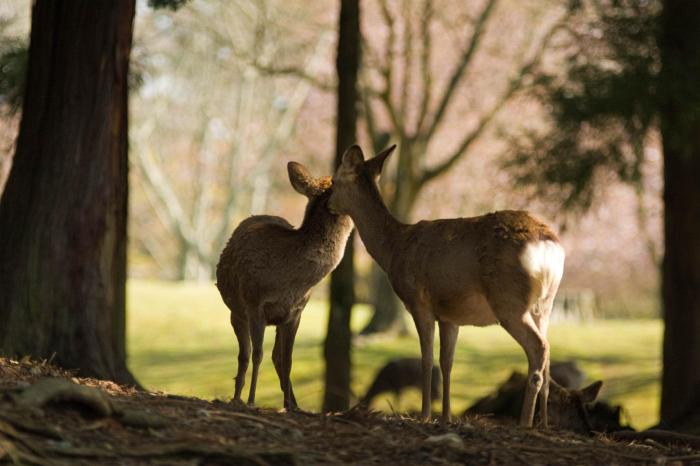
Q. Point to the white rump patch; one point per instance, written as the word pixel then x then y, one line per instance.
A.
pixel 544 261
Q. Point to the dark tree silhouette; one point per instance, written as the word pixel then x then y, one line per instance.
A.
pixel 679 44
pixel 64 209
pixel 337 347
pixel 601 117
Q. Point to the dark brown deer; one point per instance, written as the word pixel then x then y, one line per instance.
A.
pixel 398 375
pixel 575 409
pixel 500 268
pixel 266 272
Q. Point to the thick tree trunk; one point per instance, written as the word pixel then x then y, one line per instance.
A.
pixel 679 43
pixel 64 210
pixel 388 315
pixel 337 347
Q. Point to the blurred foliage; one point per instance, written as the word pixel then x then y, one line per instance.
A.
pixel 13 65
pixel 601 103
pixel 15 51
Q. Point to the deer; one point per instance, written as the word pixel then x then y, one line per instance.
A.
pixel 396 376
pixel 266 271
pixel 574 409
pixel 500 268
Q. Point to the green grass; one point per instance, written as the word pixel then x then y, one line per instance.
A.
pixel 180 341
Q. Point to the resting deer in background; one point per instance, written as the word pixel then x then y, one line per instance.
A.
pixel 504 267
pixel 398 375
pixel 266 271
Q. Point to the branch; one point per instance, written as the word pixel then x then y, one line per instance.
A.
pixel 271 70
pixel 515 85
pixel 369 114
pixel 465 59
pixel 426 18
pixel 244 109
pixel 387 69
pixel 285 127
pixel 167 199
pixel 408 61
pixel 303 73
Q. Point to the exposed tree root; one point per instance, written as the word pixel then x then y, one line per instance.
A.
pixel 57 389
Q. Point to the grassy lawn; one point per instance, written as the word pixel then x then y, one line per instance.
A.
pixel 180 341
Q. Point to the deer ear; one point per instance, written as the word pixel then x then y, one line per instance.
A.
pixel 375 165
pixel 353 157
pixel 301 179
pixel 590 393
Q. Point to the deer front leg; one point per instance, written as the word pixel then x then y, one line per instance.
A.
pixel 448 339
pixel 426 334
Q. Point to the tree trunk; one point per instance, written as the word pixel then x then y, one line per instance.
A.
pixel 337 347
pixel 679 44
pixel 388 314
pixel 63 215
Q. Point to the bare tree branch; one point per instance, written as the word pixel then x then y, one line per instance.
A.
pixel 465 60
pixel 407 61
pixel 426 74
pixel 152 246
pixel 370 119
pixel 167 199
pixel 272 70
pixel 387 67
pixel 515 85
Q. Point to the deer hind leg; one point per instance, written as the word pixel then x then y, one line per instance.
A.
pixel 257 334
pixel 525 332
pixel 425 325
pixel 448 339
pixel 240 327
pixel 282 358
pixel 542 321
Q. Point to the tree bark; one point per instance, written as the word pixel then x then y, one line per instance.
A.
pixel 337 347
pixel 63 215
pixel 388 314
pixel 679 43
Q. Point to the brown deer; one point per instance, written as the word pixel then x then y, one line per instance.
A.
pixel 504 267
pixel 266 271
pixel 569 408
pixel 398 375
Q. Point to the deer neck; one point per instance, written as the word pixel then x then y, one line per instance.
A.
pixel 323 229
pixel 377 227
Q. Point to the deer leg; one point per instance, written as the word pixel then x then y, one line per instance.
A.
pixel 448 339
pixel 289 332
pixel 277 361
pixel 426 335
pixel 240 327
pixel 257 333
pixel 526 333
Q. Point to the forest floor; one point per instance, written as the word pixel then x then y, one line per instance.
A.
pixel 50 417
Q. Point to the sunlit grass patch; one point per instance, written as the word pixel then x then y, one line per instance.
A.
pixel 180 341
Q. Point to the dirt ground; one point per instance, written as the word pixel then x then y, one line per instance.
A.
pixel 50 417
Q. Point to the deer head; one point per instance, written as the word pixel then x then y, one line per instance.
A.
pixel 570 409
pixel 355 176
